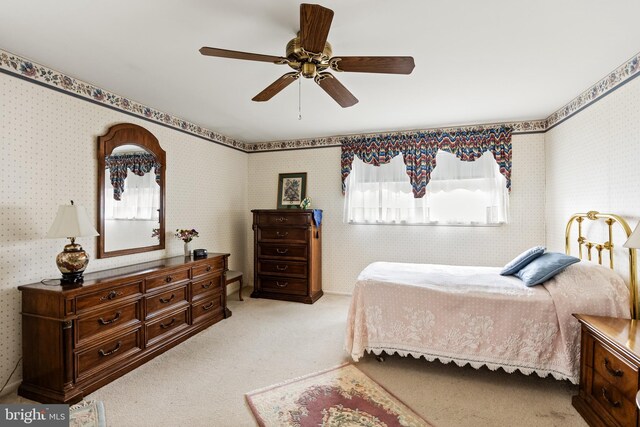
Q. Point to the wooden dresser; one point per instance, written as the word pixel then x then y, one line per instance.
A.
pixel 75 340
pixel 609 362
pixel 287 255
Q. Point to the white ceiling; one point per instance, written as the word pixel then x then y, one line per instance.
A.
pixel 476 61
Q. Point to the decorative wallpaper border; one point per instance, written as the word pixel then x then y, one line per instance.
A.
pixel 36 73
pixel 534 126
pixel 608 84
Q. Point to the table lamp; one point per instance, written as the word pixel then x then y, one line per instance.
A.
pixel 634 240
pixel 72 222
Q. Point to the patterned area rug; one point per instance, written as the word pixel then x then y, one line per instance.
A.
pixel 87 414
pixel 341 396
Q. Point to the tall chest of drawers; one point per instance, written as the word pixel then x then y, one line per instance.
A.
pixel 287 255
pixel 75 340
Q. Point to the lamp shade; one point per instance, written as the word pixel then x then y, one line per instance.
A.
pixel 634 239
pixel 71 221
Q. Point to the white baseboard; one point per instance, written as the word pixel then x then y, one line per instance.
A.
pixel 337 293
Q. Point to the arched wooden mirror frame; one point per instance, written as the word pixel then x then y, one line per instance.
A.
pixel 128 134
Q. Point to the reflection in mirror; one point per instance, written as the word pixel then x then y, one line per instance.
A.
pixel 131 183
pixel 132 202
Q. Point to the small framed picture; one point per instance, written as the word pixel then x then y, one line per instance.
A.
pixel 292 188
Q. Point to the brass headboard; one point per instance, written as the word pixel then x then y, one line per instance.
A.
pixel 609 219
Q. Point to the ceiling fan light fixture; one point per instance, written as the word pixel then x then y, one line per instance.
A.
pixel 308 70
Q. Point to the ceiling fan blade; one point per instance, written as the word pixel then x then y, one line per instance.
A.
pixel 224 53
pixel 373 64
pixel 336 90
pixel 315 22
pixel 275 87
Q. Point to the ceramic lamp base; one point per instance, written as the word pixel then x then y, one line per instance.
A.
pixel 72 262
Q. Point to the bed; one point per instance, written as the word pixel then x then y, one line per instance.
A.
pixel 473 315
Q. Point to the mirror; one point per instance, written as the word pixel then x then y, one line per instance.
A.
pixel 131 183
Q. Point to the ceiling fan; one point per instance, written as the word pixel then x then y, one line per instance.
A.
pixel 309 54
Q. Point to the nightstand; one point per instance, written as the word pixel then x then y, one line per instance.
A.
pixel 609 362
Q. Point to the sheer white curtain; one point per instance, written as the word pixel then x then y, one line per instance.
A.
pixel 460 193
pixel 382 195
pixel 140 199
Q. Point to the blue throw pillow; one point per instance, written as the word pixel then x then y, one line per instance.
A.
pixel 521 260
pixel 545 267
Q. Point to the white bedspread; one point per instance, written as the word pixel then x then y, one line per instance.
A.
pixel 473 315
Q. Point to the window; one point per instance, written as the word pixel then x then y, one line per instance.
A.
pixel 140 199
pixel 459 193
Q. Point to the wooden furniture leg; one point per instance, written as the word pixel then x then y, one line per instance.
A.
pixel 235 276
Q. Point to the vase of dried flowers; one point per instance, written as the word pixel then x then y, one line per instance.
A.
pixel 186 236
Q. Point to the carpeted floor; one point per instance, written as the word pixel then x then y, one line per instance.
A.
pixel 202 382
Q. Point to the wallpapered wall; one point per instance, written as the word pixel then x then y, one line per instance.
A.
pixel 592 164
pixel 48 149
pixel 347 248
pixel 48 146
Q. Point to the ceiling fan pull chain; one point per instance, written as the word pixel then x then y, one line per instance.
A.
pixel 299 99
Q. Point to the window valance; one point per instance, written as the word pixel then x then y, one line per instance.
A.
pixel 419 151
pixel 138 163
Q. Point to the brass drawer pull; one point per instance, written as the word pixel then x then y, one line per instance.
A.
pixel 109 353
pixel 279 234
pixel 166 300
pixel 279 268
pixel 282 251
pixel 168 279
pixel 612 372
pixel 163 326
pixel 284 285
pixel 207 286
pixel 282 219
pixel 208 306
pixel 107 322
pixel 208 268
pixel 111 295
pixel 615 404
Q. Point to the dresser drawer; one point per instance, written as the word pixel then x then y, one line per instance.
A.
pixel 167 325
pixel 206 307
pixel 210 284
pixel 107 353
pixel 207 267
pixel 167 278
pixel 615 371
pixel 282 268
pixel 282 251
pixel 284 285
pixel 116 293
pixel 613 401
pixel 107 320
pixel 283 219
pixel 166 300
pixel 283 234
